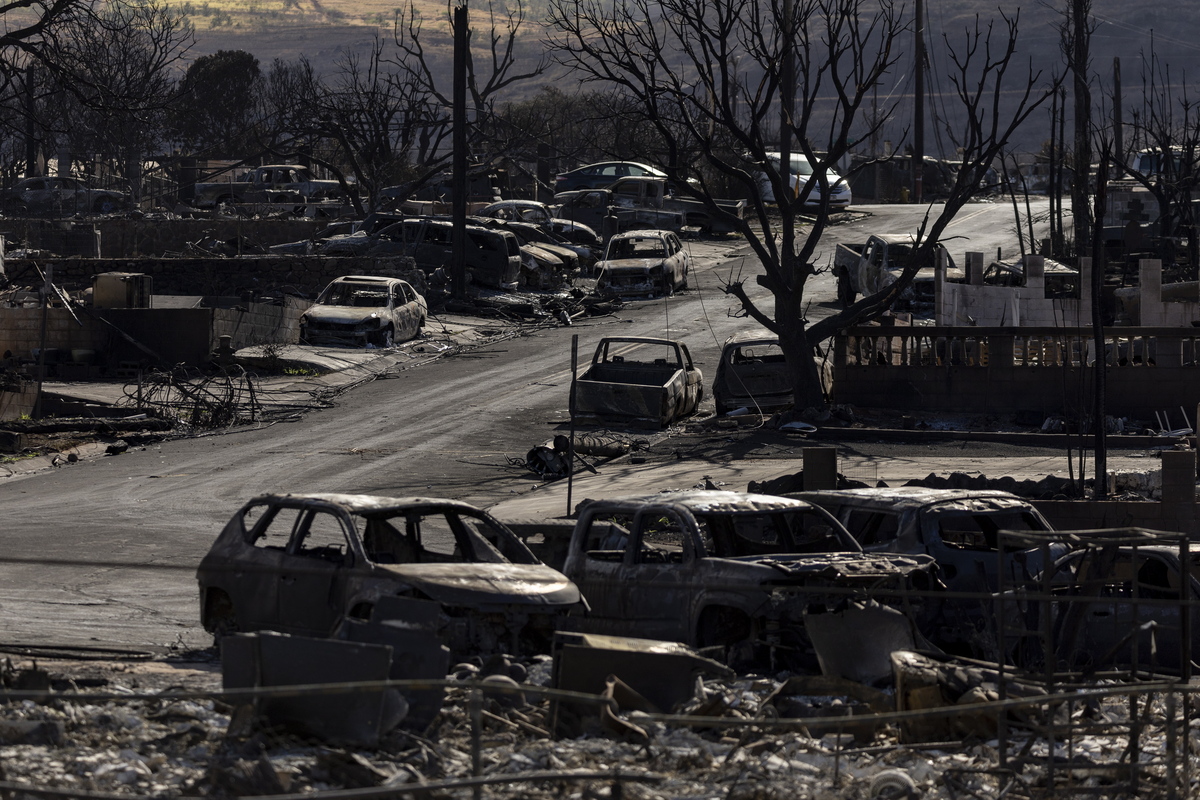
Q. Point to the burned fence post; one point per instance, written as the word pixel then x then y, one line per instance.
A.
pixel 475 709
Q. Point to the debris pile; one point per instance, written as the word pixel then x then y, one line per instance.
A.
pixel 735 738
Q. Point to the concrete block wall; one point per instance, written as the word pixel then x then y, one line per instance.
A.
pixel 21 332
pixel 1000 306
pixel 1066 515
pixel 214 276
pixel 1151 309
pixel 172 335
pixel 259 323
pixel 150 236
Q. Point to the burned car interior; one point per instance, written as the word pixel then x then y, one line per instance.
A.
pixel 399 537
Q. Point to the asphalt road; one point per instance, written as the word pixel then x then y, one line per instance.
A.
pixel 444 429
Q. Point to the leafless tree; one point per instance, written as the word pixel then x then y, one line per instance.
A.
pixel 709 75
pixel 367 119
pixel 116 74
pixel 1166 131
pixel 493 68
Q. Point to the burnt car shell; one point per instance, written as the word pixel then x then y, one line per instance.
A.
pixel 727 569
pixel 305 564
pixel 643 262
pixel 752 373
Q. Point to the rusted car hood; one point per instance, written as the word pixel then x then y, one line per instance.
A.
pixel 489 584
pixel 842 567
pixel 631 264
pixel 344 314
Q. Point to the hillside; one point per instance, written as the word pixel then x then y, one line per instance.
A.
pixel 322 29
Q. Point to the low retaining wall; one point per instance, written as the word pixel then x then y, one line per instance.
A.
pixel 1069 515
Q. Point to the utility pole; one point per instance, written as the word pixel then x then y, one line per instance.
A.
pixel 458 253
pixel 787 86
pixel 1080 59
pixel 918 156
pixel 1118 135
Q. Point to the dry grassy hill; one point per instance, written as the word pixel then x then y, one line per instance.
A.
pixel 1129 29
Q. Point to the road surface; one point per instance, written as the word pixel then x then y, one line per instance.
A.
pixel 444 429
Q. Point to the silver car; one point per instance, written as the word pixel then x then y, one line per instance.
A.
pixel 362 310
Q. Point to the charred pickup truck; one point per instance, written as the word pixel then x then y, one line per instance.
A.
pixel 278 183
pixel 647 202
pixel 315 564
pixel 639 380
pixel 960 529
pixel 727 569
pixel 864 269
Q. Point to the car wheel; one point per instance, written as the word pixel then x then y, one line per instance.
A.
pixel 667 285
pixel 421 324
pixel 220 618
pixel 105 205
pixel 684 283
pixel 386 338
pixel 845 291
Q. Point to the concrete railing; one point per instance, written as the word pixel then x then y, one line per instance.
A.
pixel 1001 370
pixel 923 346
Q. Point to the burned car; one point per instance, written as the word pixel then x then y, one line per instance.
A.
pixel 540 214
pixel 61 194
pixel 960 529
pixel 643 263
pixel 752 373
pixel 728 569
pixel 638 380
pixel 362 310
pixel 307 563
pixel 1118 601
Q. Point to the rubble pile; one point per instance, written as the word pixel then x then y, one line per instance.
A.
pixel 177 743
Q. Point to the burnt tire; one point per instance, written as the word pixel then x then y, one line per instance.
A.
pixel 845 291
pixel 721 627
pixel 385 338
pixel 220 617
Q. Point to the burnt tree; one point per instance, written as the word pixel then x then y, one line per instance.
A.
pixel 709 75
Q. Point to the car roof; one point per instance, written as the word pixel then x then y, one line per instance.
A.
pixel 640 232
pixel 652 170
pixel 904 497
pixel 751 337
pixel 700 501
pixel 368 503
pixel 367 279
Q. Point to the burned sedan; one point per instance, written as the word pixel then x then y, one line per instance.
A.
pixel 362 310
pixel 307 563
pixel 728 569
pixel 643 263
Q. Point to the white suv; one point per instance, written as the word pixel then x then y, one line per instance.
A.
pixel 800 176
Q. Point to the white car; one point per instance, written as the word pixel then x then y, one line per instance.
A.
pixel 643 262
pixel 362 310
pixel 801 178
